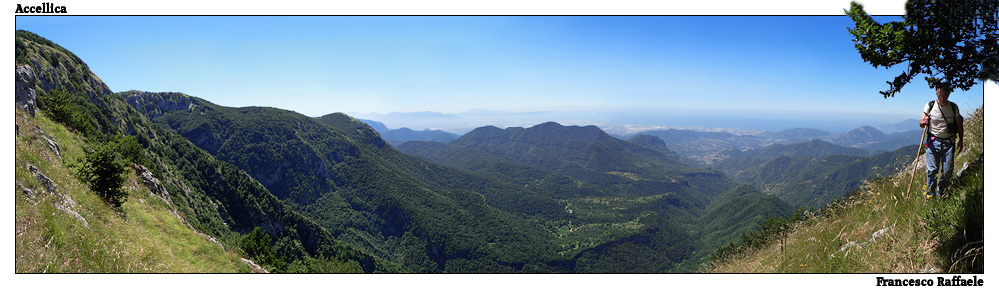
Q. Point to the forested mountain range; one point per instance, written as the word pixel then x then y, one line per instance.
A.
pixel 813 148
pixel 744 206
pixel 615 167
pixel 338 172
pixel 808 174
pixel 814 173
pixel 333 190
pixel 617 174
pixel 561 199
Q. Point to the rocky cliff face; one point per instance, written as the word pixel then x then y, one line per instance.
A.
pixel 24 89
pixel 154 105
pixel 58 68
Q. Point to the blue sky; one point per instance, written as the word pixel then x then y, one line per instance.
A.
pixel 706 65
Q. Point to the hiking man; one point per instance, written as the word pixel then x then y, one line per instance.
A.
pixel 946 131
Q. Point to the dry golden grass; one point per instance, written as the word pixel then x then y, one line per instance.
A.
pixel 915 228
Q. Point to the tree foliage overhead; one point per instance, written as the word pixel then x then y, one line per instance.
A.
pixel 953 42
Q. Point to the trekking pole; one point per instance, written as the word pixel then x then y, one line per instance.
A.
pixel 914 166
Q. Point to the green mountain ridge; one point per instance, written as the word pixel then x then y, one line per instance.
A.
pixel 812 148
pixel 812 175
pixel 741 204
pixel 579 152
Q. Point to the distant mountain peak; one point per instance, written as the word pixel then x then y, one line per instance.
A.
pixel 864 134
pixel 488 128
pixel 868 129
pixel 647 140
pixel 589 132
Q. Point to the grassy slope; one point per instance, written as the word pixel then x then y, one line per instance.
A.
pixel 145 237
pixel 935 236
pixel 215 197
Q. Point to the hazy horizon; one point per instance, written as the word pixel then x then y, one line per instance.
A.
pixel 623 123
pixel 734 72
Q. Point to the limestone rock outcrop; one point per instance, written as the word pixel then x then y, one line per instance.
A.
pixel 24 89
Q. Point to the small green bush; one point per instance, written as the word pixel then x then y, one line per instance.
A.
pixel 257 245
pixel 103 169
pixel 59 106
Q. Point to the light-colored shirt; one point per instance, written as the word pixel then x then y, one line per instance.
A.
pixel 940 116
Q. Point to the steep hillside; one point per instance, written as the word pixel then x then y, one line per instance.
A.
pixel 737 212
pixel 215 197
pixel 885 228
pixel 729 218
pixel 63 226
pixel 56 67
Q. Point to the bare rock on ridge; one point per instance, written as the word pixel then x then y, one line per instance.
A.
pixel 24 89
